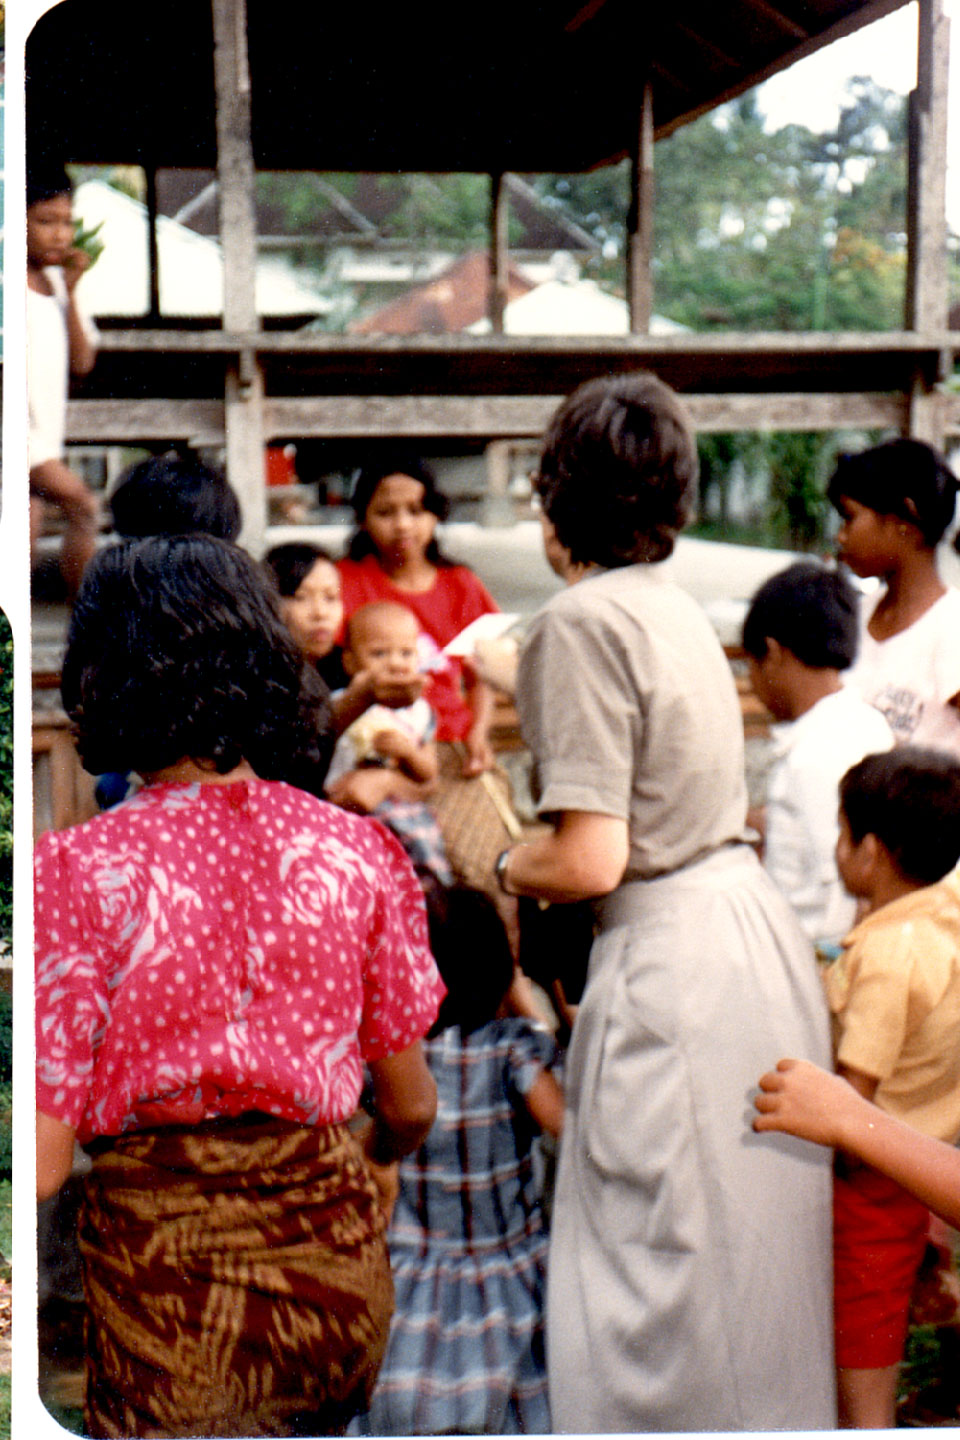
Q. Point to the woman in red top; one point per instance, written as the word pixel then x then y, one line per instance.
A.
pixel 218 958
pixel 394 555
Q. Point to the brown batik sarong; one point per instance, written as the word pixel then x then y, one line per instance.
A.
pixel 237 1281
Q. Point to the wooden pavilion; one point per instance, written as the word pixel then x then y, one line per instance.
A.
pixel 239 85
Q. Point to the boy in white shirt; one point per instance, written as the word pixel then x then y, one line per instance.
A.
pixel 60 342
pixel 800 634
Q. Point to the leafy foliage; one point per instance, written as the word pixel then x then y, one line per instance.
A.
pixel 784 231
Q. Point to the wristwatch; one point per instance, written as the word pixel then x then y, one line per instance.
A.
pixel 500 870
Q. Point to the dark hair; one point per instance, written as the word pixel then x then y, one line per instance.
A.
pixel 905 478
pixel 176 648
pixel 395 462
pixel 289 565
pixel 174 494
pixel 909 797
pixel 809 610
pixel 47 181
pixel 473 955
pixel 617 472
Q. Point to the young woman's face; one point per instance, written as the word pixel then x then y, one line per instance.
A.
pixel 50 230
pixel 398 522
pixel 314 612
pixel 870 543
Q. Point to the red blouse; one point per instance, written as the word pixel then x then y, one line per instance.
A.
pixel 456 598
pixel 204 950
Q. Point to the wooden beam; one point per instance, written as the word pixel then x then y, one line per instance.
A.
pixel 245 453
pixel 855 20
pixel 640 219
pixel 926 218
pixel 236 180
pixel 499 215
pixel 153 251
pixel 925 414
pixel 100 422
pixel 235 167
pixel 489 417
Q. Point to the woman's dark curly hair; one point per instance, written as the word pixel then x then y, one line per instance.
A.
pixel 176 649
pixel 904 478
pixel 395 462
pixel 618 469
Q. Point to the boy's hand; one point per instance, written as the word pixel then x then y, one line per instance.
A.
pixel 801 1099
pixel 75 263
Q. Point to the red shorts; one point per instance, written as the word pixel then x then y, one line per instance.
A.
pixel 879 1239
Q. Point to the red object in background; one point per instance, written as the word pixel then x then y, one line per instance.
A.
pixel 281 469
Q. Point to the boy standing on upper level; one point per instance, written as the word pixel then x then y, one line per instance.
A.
pixel 61 342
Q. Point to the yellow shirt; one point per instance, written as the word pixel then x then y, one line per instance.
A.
pixel 894 994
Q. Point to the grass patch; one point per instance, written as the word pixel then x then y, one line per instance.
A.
pixel 5 1406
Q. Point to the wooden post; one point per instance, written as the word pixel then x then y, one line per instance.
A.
pixel 926 217
pixel 498 252
pixel 153 251
pixel 640 220
pixel 497 509
pixel 238 240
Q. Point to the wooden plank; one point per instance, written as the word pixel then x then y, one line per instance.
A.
pixel 135 421
pixel 733 342
pixel 788 411
pixel 926 218
pixel 640 219
pixel 489 417
pixel 409 416
pixel 525 417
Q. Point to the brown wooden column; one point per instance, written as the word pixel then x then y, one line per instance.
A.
pixel 238 240
pixel 499 217
pixel 640 220
pixel 926 300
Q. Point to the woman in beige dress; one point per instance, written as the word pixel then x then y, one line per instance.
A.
pixel 690 1279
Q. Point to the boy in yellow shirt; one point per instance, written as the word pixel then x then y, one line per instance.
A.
pixel 894 994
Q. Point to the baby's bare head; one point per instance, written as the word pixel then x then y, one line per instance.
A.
pixel 382 636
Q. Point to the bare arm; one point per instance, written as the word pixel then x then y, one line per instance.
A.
pixel 801 1099
pixel 405 1098
pixel 479 755
pixel 584 856
pixel 83 353
pixel 544 1100
pixel 363 691
pixel 54 1154
pixel 368 787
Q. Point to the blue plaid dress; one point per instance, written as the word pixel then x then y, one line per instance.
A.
pixel 468 1249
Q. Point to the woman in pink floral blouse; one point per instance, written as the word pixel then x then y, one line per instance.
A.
pixel 217 960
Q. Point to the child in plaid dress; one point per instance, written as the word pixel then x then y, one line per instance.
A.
pixel 468 1244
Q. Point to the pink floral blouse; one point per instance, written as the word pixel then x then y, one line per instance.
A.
pixel 204 950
